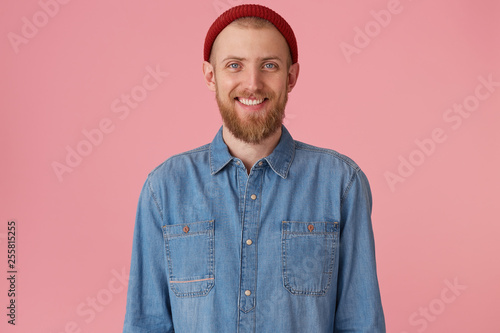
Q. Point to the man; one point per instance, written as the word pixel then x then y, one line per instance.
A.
pixel 254 232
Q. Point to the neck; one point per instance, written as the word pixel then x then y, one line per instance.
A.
pixel 249 153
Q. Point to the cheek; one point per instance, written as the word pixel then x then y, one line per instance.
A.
pixel 278 82
pixel 226 84
pixel 279 87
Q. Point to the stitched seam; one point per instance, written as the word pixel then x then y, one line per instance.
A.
pixel 189 152
pixel 152 193
pixel 345 159
pixel 291 159
pixel 188 281
pixel 351 181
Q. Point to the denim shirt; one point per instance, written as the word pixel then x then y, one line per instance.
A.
pixel 288 247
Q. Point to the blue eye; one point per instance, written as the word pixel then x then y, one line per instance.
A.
pixel 270 66
pixel 233 65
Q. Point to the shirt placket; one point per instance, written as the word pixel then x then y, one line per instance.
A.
pixel 251 195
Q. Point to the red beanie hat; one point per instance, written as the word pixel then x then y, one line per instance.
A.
pixel 250 10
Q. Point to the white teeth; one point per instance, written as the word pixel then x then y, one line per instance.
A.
pixel 251 101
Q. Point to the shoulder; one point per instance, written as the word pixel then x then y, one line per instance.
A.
pixel 180 163
pixel 325 156
pixel 337 170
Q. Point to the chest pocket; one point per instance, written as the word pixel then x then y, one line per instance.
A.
pixel 308 256
pixel 190 257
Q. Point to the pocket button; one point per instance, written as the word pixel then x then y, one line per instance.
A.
pixel 310 227
pixel 185 229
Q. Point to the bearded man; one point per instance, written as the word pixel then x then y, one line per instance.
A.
pixel 254 232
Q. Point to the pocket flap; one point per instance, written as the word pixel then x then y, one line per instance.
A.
pixel 309 227
pixel 187 229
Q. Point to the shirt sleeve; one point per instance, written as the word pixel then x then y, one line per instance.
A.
pixel 359 306
pixel 148 306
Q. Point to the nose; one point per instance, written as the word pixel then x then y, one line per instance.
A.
pixel 253 79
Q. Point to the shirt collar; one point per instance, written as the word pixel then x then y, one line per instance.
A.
pixel 279 160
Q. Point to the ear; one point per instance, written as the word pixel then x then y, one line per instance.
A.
pixel 293 74
pixel 209 74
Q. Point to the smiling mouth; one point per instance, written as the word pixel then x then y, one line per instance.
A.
pixel 248 101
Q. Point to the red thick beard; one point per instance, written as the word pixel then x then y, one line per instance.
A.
pixel 257 126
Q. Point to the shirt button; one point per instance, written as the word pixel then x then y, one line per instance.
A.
pixel 249 242
pixel 238 162
pixel 248 292
pixel 310 227
pixel 253 196
pixel 260 163
pixel 185 229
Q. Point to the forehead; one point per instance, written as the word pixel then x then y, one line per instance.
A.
pixel 250 42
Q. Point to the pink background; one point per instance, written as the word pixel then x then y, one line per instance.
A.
pixel 64 76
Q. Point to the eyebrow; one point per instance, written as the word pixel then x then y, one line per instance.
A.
pixel 260 59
